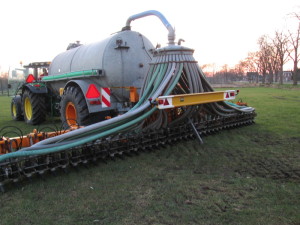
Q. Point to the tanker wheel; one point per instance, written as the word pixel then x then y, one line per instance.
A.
pixel 34 108
pixel 73 108
pixel 16 108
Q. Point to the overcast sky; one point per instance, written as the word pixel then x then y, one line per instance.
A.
pixel 220 31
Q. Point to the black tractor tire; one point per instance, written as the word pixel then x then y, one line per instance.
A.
pixel 34 107
pixel 16 108
pixel 73 108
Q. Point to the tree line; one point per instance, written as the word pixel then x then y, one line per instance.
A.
pixel 266 64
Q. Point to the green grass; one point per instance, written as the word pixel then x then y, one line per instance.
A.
pixel 249 175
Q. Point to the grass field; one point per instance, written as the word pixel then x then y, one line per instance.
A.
pixel 249 175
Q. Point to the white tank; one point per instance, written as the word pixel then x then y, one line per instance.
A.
pixel 122 60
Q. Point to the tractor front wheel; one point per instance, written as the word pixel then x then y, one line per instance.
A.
pixel 16 108
pixel 34 108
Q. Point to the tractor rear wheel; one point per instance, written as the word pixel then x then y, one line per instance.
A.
pixel 34 108
pixel 73 108
pixel 16 108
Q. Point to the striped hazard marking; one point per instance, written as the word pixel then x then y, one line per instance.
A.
pixel 105 97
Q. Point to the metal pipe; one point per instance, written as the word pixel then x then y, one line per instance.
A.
pixel 171 35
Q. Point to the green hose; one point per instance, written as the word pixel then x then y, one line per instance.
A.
pixel 110 129
pixel 151 87
pixel 235 105
pixel 159 74
pixel 175 81
pixel 154 82
pixel 75 143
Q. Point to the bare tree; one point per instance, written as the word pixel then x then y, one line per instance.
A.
pixel 241 67
pixel 209 68
pixel 252 66
pixel 280 54
pixel 294 41
pixel 252 62
pixel 265 57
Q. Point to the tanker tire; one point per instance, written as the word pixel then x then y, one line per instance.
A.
pixel 74 98
pixel 34 107
pixel 16 108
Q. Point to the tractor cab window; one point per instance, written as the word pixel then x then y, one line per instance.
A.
pixel 44 72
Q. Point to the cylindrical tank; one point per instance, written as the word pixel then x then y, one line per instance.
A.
pixel 122 59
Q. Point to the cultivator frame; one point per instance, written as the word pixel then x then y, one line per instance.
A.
pixel 16 170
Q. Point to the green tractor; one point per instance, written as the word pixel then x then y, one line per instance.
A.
pixel 29 102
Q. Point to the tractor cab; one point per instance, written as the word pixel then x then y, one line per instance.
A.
pixel 39 69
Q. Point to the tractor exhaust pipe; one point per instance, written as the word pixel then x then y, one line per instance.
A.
pixel 171 35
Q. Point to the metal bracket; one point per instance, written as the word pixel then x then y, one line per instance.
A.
pixel 195 131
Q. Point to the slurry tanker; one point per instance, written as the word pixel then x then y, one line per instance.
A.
pixel 114 97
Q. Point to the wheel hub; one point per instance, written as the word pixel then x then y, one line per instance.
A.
pixel 28 108
pixel 71 114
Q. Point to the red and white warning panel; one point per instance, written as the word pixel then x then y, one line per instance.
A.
pixel 172 101
pixel 93 95
pixel 165 102
pixel 92 92
pixel 230 94
pixel 105 97
pixel 30 78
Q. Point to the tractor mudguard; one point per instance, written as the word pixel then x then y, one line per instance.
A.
pixel 37 88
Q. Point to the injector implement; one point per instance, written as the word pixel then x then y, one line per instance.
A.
pixel 144 98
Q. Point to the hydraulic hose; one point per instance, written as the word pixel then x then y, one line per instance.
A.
pixel 73 144
pixel 168 75
pixel 143 99
pixel 100 125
